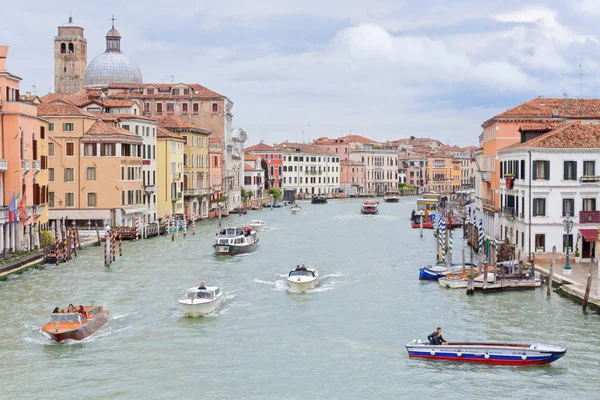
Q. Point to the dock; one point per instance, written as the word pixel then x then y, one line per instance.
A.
pixel 573 286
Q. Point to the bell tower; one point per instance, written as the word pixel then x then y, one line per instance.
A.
pixel 70 58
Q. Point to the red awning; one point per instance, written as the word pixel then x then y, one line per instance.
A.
pixel 589 235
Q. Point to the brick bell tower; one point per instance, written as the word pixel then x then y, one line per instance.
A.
pixel 70 58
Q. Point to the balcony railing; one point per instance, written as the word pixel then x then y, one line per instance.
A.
pixel 217 188
pixel 508 212
pixel 589 179
pixel 25 166
pixel 486 176
pixel 3 164
pixel 3 215
pixel 37 166
pixel 176 196
pixel 149 188
pixel 589 217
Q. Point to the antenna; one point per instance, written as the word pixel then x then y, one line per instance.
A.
pixel 581 81
pixel 34 89
pixel 172 78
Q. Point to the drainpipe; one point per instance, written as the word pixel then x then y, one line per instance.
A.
pixel 530 202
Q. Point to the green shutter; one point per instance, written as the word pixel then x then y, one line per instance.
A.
pixel 547 170
pixel 543 207
pixel 574 172
pixel 535 204
pixel 566 170
pixel 534 170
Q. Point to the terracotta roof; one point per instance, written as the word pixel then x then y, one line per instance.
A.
pixel 134 90
pixel 76 99
pixel 570 136
pixel 236 156
pixel 162 133
pixel 171 123
pixel 343 139
pixel 291 147
pixel 539 126
pixel 108 117
pixel 131 116
pixel 251 157
pixel 214 140
pixel 248 167
pixel 261 147
pixel 62 110
pixel 103 129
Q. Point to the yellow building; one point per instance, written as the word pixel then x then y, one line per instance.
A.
pixel 196 175
pixel 443 173
pixel 169 171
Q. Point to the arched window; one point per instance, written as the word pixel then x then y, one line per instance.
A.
pixel 71 48
pixel 63 48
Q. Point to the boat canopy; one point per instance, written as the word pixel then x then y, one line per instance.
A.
pixel 66 317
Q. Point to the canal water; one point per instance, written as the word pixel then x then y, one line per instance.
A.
pixel 345 340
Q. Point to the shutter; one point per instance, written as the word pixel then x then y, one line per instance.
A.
pixel 36 194
pixel 547 170
pixel 517 169
pixel 543 207
pixel 566 170
pixel 534 170
pixel 535 207
pixel 502 170
pixel 35 149
pixel 522 169
pixel 574 173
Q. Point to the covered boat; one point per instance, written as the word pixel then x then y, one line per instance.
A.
pixel 296 209
pixel 232 241
pixel 492 352
pixel 318 199
pixel 75 325
pixel 199 301
pixel 303 278
pixel 370 207
pixel 391 196
pixel 257 224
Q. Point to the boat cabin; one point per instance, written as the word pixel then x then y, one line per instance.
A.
pixel 67 317
pixel 203 294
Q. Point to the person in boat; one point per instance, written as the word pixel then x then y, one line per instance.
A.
pixel 71 309
pixel 56 310
pixel 201 287
pixel 81 311
pixel 436 338
pixel 303 268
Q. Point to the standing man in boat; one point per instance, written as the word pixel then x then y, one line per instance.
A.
pixel 436 338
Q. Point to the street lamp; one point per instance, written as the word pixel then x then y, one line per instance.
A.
pixel 568 225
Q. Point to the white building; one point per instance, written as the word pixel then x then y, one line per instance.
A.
pixel 381 167
pixel 234 167
pixel 254 177
pixel 564 179
pixel 310 169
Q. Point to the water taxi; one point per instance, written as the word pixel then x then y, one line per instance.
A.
pixel 257 224
pixel 425 208
pixel 302 279
pixel 232 241
pixel 491 352
pixel 74 325
pixel 318 199
pixel 199 301
pixel 370 207
pixel 391 196
pixel 295 209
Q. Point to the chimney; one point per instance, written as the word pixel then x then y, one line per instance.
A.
pixel 3 55
pixel 555 112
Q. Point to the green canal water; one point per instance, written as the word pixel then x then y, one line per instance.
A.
pixel 345 340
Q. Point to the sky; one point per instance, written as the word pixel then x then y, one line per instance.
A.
pixel 301 69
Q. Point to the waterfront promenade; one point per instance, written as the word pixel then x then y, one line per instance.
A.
pixel 573 285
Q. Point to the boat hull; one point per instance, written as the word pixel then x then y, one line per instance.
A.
pixel 391 199
pixel 428 274
pixel 303 286
pixel 257 228
pixel 199 309
pixel 367 212
pixel 319 200
pixel 453 283
pixel 81 332
pixel 295 210
pixel 232 250
pixel 426 225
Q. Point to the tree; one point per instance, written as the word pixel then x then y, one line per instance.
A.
pixel 276 193
pixel 246 196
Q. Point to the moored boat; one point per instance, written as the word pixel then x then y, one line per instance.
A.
pixel 459 279
pixel 370 207
pixel 391 196
pixel 232 241
pixel 257 224
pixel 491 352
pixel 318 199
pixel 75 325
pixel 303 278
pixel 202 300
pixel 296 209
pixel 439 270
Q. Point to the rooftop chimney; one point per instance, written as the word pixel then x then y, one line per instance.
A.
pixel 3 55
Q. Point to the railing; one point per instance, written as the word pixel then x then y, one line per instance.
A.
pixel 191 192
pixel 589 179
pixel 149 188
pixel 176 196
pixel 37 166
pixel 3 164
pixel 3 215
pixel 589 217
pixel 25 165
pixel 508 211
pixel 217 188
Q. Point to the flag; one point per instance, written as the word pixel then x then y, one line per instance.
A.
pixel 472 156
pixel 22 208
pixel 12 208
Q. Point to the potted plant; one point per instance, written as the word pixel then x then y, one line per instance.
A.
pixel 590 178
pixel 510 179
pixel 577 256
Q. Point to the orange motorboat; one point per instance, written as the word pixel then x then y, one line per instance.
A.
pixel 74 325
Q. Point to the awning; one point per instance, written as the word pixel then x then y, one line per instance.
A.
pixel 589 235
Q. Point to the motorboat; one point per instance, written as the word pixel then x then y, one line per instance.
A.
pixel 198 301
pixel 491 352
pixel 440 270
pixel 74 325
pixel 296 209
pixel 318 199
pixel 257 224
pixel 232 241
pixel 302 279
pixel 391 196
pixel 370 207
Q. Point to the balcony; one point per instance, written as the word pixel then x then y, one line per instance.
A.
pixel 176 196
pixel 191 192
pixel 149 188
pixel 589 217
pixel 589 179
pixel 217 188
pixel 3 164
pixel 25 166
pixel 37 166
pixel 3 215
pixel 177 176
pixel 486 176
pixel 509 212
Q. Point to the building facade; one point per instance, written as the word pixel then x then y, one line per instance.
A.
pixel 169 153
pixel 254 179
pixel 352 178
pixel 215 155
pixel 70 58
pixel 273 159
pixel 381 168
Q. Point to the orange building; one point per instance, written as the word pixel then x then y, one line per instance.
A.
pixel 94 169
pixel 23 163
pixel 443 173
pixel 215 157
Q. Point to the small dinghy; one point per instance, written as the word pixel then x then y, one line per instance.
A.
pixel 296 209
pixel 257 224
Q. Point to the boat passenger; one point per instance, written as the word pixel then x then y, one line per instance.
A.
pixel 201 287
pixel 81 310
pixel 71 309
pixel 436 338
pixel 56 310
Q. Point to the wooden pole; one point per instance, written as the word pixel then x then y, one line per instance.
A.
pixel 519 260
pixel 78 238
pixel 421 226
pixel 551 272
pixel 470 284
pixel 74 242
pixel 485 271
pixel 532 271
pixel 98 234
pixel 494 257
pixel 588 286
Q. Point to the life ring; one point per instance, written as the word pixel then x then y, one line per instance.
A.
pixel 487 356
pixel 523 357
pixel 459 354
pixel 432 352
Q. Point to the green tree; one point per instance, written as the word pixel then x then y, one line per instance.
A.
pixel 47 238
pixel 276 193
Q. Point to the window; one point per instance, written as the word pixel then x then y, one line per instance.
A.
pixel 170 107
pixel 215 107
pixel 130 197
pixel 146 107
pixel 186 91
pixel 175 92
pixel 51 199
pixel 91 199
pixel 69 175
pixel 541 170
pixel 150 91
pixel 70 199
pixel 539 207
pixel 568 207
pixel 568 241
pixel 51 149
pixel 159 108
pixel 108 149
pixel 91 173
pixel 570 171
pixel 184 108
pixel 195 108
pixel 540 242
pixel 90 149
pixel 70 149
pixel 589 204
pixel 63 48
pixel 68 127
pixel 51 127
pixel 122 198
pixel 589 168
pixel 51 174
pixel 71 48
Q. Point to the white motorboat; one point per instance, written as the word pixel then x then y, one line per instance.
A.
pixel 303 279
pixel 257 224
pixel 391 196
pixel 233 241
pixel 296 209
pixel 197 302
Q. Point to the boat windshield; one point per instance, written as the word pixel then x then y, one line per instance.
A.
pixel 65 318
pixel 301 273
pixel 200 295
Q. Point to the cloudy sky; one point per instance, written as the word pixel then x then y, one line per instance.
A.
pixel 307 68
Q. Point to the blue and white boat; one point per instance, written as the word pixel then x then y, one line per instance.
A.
pixel 440 270
pixel 492 352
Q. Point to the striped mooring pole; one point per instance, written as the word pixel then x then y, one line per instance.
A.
pixel 120 241
pixel 56 243
pixel 184 226
pixel 450 246
pixel 193 224
pixel 113 244
pixel 137 228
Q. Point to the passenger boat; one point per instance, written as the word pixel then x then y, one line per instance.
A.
pixel 491 352
pixel 318 199
pixel 257 224
pixel 391 196
pixel 303 279
pixel 76 326
pixel 232 241
pixel 370 207
pixel 196 302
pixel 296 209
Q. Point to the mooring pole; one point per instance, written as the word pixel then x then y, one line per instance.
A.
pixel 551 272
pixel 588 286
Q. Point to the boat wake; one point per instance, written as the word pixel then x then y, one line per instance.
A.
pixel 278 285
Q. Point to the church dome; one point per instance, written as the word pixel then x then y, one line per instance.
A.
pixel 112 66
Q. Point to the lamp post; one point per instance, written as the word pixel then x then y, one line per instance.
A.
pixel 568 225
